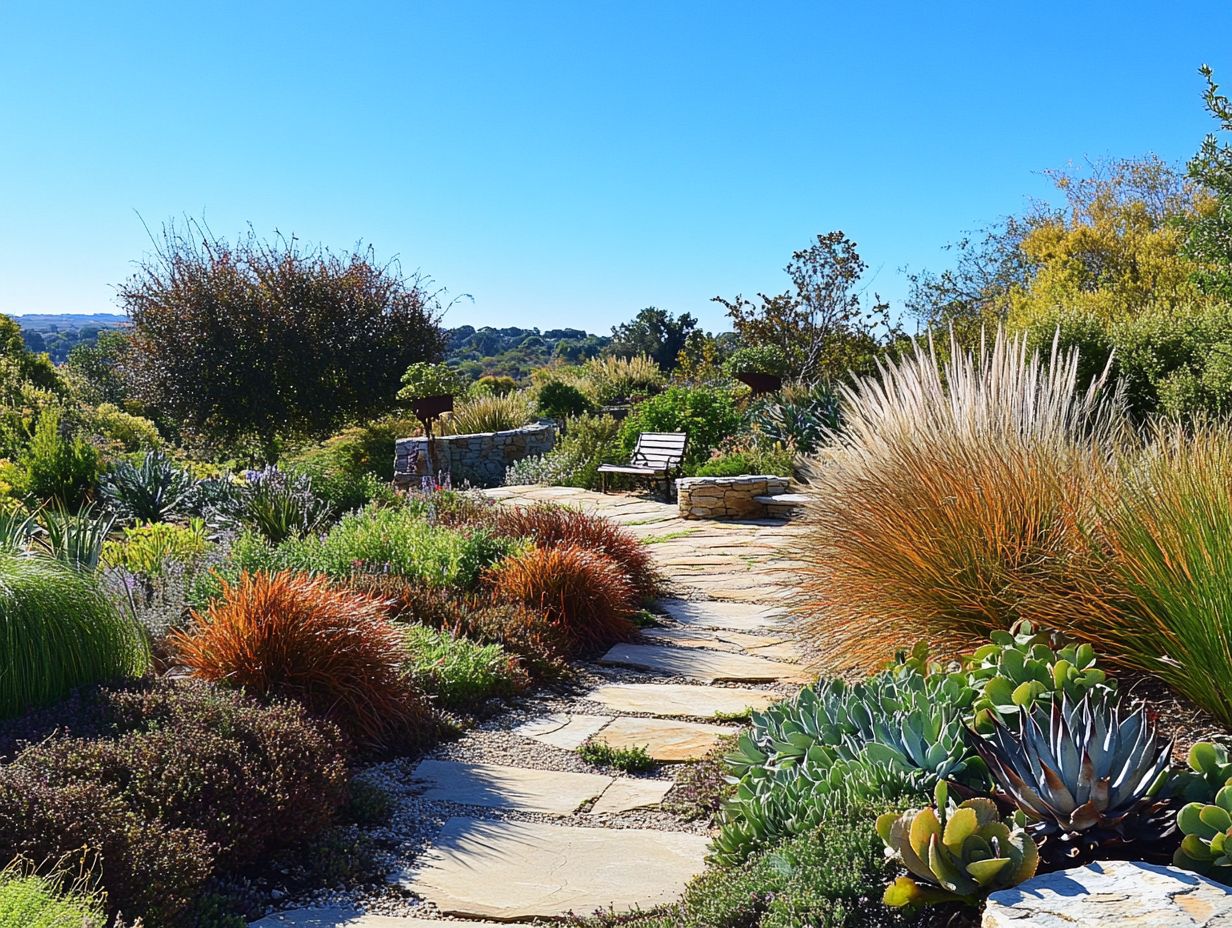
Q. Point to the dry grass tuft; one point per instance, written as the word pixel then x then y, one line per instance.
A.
pixel 954 486
pixel 331 649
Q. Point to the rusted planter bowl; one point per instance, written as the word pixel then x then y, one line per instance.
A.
pixel 761 383
pixel 429 407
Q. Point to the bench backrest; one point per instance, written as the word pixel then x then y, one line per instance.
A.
pixel 659 449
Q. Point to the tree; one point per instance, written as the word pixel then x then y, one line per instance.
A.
pixel 1209 243
pixel 653 332
pixel 823 327
pixel 94 370
pixel 258 341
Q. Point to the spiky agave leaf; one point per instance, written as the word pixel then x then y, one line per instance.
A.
pixel 1088 778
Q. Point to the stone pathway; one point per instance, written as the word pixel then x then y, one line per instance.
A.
pixel 509 825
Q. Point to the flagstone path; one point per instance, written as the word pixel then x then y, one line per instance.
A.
pixel 509 825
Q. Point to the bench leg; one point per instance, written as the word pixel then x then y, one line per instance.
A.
pixel 603 482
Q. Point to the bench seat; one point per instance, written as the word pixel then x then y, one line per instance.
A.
pixel 631 469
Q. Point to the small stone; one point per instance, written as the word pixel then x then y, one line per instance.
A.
pixel 680 699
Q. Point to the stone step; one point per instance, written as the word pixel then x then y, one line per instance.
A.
pixel 769 646
pixel 705 666
pixel 520 789
pixel 351 918
pixel 714 613
pixel 508 870
pixel 665 740
pixel 680 699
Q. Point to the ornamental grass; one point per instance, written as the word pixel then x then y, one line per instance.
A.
pixel 331 649
pixel 1154 589
pixel 58 632
pixel 585 596
pixel 958 482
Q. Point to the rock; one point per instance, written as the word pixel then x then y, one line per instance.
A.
pixel 1112 893
pixel 552 792
pixel 706 666
pixel 719 614
pixel 680 699
pixel 509 870
pixel 667 740
pixel 562 730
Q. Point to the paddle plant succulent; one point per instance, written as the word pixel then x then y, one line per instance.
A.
pixel 1207 843
pixel 1088 778
pixel 1023 667
pixel 955 853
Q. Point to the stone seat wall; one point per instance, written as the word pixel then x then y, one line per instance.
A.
pixel 726 497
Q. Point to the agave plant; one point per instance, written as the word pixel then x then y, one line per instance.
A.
pixel 155 491
pixel 1088 778
pixel 1207 843
pixel 960 853
pixel 277 504
pixel 1023 667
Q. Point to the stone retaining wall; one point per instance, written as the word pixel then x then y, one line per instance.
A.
pixel 726 497
pixel 479 460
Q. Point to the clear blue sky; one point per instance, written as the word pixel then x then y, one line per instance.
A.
pixel 568 163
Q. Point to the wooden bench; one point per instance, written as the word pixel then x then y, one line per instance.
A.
pixel 657 456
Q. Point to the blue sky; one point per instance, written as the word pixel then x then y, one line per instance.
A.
pixel 568 163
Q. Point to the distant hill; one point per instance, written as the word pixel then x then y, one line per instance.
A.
pixel 59 333
pixel 511 351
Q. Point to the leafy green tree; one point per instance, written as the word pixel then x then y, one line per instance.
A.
pixel 95 370
pixel 1210 234
pixel 259 341
pixel 822 326
pixel 653 332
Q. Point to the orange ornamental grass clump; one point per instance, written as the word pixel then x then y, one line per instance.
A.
pixel 585 596
pixel 955 492
pixel 549 525
pixel 300 637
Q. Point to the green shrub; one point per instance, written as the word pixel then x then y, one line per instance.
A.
pixel 168 783
pixel 31 901
pixel 828 877
pixel 739 457
pixel 423 379
pixel 132 434
pixel 147 549
pixel 460 673
pixel 706 414
pixel 559 400
pixel 59 632
pixel 398 541
pixel 756 359
pixel 59 465
pixel 574 462
pixel 493 385
pixel 276 504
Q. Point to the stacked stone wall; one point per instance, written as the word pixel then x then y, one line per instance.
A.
pixel 478 460
pixel 726 497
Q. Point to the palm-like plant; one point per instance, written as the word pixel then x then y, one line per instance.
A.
pixel 154 491
pixel 1088 778
pixel 76 538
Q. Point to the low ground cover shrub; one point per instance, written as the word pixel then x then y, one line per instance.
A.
pixel 953 493
pixel 457 672
pixel 59 632
pixel 588 442
pixel 28 900
pixel 148 549
pixel 300 637
pixel 587 598
pixel 166 784
pixel 633 759
pixel 742 455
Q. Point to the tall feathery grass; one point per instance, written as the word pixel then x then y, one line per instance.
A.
pixel 952 487
pixel 58 631
pixel 1154 591
pixel 490 413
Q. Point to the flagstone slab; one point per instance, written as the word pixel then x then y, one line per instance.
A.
pixel 680 699
pixel 350 918
pixel 553 792
pixel 509 870
pixel 667 740
pixel 706 666
pixel 719 614
pixel 563 730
